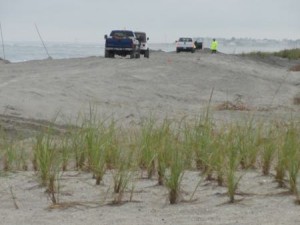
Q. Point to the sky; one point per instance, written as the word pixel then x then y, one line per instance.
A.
pixel 162 20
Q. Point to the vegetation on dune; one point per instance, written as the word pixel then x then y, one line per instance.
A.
pixel 165 150
pixel 287 53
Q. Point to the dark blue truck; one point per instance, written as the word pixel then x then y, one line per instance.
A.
pixel 122 43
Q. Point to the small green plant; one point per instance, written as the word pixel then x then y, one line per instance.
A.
pixel 10 157
pixel 65 151
pixel 291 149
pixel 198 139
pixel 281 157
pixel 147 147
pixel 13 155
pixel 95 148
pixel 218 157
pixel 110 135
pixel 48 161
pixel 45 155
pixel 77 146
pixel 163 149
pixel 53 187
pixel 232 161
pixel 174 179
pixel 122 175
pixel 269 147
pixel 246 136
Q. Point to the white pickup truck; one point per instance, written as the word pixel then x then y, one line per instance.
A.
pixel 185 44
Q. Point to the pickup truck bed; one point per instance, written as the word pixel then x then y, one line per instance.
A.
pixel 123 43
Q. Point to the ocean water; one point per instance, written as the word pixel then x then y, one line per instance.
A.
pixel 24 51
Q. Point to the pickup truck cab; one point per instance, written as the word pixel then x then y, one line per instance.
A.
pixel 185 44
pixel 122 43
pixel 142 38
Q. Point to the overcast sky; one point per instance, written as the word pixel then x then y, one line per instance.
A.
pixel 163 20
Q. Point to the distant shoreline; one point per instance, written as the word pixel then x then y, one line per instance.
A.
pixel 33 50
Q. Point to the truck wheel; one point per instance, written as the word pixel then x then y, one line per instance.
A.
pixel 132 55
pixel 147 54
pixel 112 55
pixel 177 50
pixel 193 51
pixel 106 54
pixel 138 55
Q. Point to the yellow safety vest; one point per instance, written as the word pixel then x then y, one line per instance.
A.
pixel 214 45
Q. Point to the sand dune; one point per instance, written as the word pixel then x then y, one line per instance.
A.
pixel 167 84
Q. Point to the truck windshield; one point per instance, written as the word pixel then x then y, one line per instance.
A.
pixel 121 34
pixel 140 36
pixel 185 39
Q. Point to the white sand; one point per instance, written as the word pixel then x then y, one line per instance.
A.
pixel 167 84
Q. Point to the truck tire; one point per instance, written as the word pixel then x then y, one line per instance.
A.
pixel 106 54
pixel 132 54
pixel 147 54
pixel 137 55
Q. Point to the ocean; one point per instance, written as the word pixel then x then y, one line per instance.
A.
pixel 24 51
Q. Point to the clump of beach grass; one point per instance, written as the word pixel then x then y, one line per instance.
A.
pixel 147 146
pixel 122 174
pixel 12 153
pixel 292 154
pixel 233 159
pixel 198 138
pixel 218 157
pixel 95 154
pixel 164 148
pixel 268 147
pixel 246 137
pixel 176 171
pixel 48 161
pixel 9 156
pixel 65 151
pixel 45 156
pixel 287 53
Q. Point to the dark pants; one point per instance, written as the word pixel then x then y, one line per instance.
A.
pixel 213 51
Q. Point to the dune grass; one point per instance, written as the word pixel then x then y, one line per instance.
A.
pixel 287 53
pixel 165 149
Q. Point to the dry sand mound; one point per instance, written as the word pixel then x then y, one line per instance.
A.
pixel 167 84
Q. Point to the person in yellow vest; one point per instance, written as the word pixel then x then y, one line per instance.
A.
pixel 214 46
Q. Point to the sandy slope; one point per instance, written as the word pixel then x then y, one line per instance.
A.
pixel 168 84
pixel 262 202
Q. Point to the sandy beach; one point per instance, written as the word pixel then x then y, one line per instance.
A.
pixel 168 85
